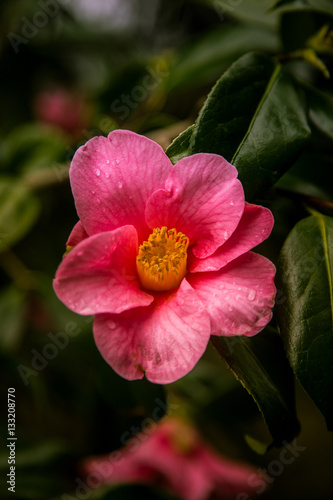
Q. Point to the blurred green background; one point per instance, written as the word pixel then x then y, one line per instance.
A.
pixel 74 69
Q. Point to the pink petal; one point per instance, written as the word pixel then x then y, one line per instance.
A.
pixel 99 274
pixel 202 198
pixel 229 478
pixel 77 235
pixel 164 340
pixel 240 296
pixel 112 179
pixel 254 227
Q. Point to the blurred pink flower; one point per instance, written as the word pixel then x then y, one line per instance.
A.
pixel 62 108
pixel 175 458
pixel 192 276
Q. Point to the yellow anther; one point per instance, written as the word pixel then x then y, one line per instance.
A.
pixel 161 261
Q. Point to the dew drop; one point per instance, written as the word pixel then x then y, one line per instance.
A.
pixel 107 161
pixel 232 202
pixel 111 325
pixel 230 308
pixel 252 295
pixel 107 175
pixel 117 161
pixel 93 192
pixel 97 172
pixel 120 185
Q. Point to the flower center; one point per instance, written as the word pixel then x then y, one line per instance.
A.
pixel 161 261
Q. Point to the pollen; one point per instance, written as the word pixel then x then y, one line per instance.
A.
pixel 161 261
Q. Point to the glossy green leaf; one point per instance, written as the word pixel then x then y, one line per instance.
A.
pixel 305 314
pixel 261 366
pixel 321 110
pixel 255 118
pixel 179 146
pixel 18 211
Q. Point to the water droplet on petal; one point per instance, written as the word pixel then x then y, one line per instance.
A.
pixel 232 202
pixel 117 161
pixel 107 161
pixel 97 172
pixel 120 185
pixel 230 308
pixel 111 325
pixel 252 295
pixel 107 175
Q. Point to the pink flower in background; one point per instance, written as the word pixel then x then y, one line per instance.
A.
pixel 174 458
pixel 161 255
pixel 58 106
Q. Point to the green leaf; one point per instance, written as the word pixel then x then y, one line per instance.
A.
pixel 32 147
pixel 261 366
pixel 321 110
pixel 255 117
pixel 324 6
pixel 179 146
pixel 202 62
pixel 18 211
pixel 305 314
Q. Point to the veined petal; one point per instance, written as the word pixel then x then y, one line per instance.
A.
pixel 77 235
pixel 202 198
pixel 163 341
pixel 239 298
pixel 112 178
pixel 99 274
pixel 254 227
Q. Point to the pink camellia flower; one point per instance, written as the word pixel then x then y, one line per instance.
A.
pixel 161 255
pixel 60 107
pixel 175 458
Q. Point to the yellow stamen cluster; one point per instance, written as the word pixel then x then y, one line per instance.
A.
pixel 161 261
